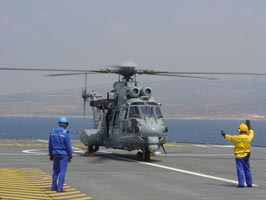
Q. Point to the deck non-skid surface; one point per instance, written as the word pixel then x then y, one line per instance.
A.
pixel 31 183
pixel 187 172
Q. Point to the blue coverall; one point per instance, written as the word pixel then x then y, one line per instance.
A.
pixel 60 151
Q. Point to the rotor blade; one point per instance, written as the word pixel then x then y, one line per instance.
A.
pixel 152 72
pixel 71 74
pixel 130 71
pixel 183 76
pixel 44 69
pixel 191 74
pixel 226 73
pixel 75 71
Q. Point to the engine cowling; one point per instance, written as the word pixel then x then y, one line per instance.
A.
pixel 133 92
pixel 146 91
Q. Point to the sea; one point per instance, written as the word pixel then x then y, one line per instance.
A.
pixel 197 131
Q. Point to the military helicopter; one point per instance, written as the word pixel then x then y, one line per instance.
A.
pixel 129 118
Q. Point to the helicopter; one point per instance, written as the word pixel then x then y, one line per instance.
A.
pixel 129 118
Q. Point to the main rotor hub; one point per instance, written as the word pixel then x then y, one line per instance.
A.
pixel 126 69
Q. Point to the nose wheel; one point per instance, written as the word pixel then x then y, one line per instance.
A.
pixel 143 156
pixel 91 150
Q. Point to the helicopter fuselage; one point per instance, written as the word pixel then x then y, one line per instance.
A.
pixel 129 119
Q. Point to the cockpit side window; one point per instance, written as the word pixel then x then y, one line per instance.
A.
pixel 134 112
pixel 158 112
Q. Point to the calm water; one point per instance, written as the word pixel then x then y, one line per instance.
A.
pixel 188 131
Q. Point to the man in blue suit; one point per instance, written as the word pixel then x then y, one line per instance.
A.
pixel 60 151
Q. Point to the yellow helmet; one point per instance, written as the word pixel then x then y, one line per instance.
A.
pixel 243 128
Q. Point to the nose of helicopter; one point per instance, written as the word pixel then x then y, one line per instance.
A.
pixel 152 129
pixel 152 132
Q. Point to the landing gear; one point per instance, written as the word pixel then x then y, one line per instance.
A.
pixel 139 156
pixel 91 151
pixel 147 156
pixel 143 156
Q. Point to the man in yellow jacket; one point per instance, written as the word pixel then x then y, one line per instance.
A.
pixel 242 152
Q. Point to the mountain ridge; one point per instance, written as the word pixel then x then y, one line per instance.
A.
pixel 181 98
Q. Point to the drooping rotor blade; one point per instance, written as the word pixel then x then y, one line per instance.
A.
pixel 227 73
pixel 183 76
pixel 191 74
pixel 44 69
pixel 152 72
pixel 71 74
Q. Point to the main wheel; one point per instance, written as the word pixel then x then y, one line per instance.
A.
pixel 93 149
pixel 139 156
pixel 147 156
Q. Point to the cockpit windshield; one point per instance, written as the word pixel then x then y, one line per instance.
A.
pixel 145 111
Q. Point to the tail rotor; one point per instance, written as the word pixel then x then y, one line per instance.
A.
pixel 85 96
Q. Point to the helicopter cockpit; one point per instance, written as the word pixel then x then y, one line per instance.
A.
pixel 138 115
pixel 145 110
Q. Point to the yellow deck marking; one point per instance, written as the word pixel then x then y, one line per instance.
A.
pixel 172 145
pixel 31 184
pixel 31 145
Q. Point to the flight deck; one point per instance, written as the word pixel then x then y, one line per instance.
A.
pixel 187 172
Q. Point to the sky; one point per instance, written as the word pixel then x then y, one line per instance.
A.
pixel 173 35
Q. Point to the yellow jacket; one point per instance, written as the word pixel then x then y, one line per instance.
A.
pixel 242 143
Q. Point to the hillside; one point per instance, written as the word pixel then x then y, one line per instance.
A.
pixel 244 98
pixel 181 98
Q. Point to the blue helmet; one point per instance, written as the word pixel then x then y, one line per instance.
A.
pixel 63 120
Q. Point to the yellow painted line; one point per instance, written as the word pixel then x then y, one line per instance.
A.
pixel 32 145
pixel 173 145
pixel 33 184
